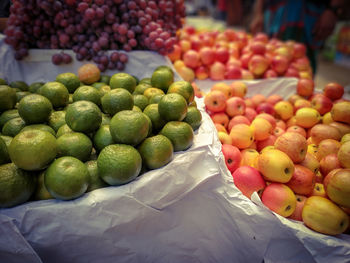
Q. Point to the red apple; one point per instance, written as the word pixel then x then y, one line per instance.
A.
pixel 279 64
pixel 321 103
pixel 247 75
pixel 293 144
pixel 232 157
pixel 235 106
pixel 273 99
pixel 333 90
pixel 220 117
pixel 191 59
pixel 297 129
pixel 270 73
pixel 258 48
pixel 267 142
pixel 299 50
pixel 320 132
pixel 245 58
pixel 305 87
pixel 175 54
pixel 238 89
pixel 279 198
pixel 202 72
pixel 215 101
pixel 268 117
pixel 233 72
pixel 261 37
pixel 222 55
pixel 265 108
pixel 217 71
pixel 292 72
pixel 258 65
pixel 329 163
pixel 207 55
pixel 237 120
pixel 250 114
pixel 299 208
pixel 302 181
pixel 248 180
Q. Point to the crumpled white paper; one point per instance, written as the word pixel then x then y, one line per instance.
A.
pixel 187 211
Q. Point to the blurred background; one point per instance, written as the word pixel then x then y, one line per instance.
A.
pixel 332 56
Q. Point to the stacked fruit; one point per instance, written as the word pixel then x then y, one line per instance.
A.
pixel 119 126
pixel 91 27
pixel 294 153
pixel 237 55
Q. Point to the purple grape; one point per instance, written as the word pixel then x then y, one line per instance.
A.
pixel 57 59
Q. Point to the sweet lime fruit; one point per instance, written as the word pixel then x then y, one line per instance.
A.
pixel 117 100
pixel 41 127
pixel 102 138
pixel 56 92
pixel 179 133
pixel 74 144
pixel 57 119
pixel 193 117
pixel 69 80
pixel 8 115
pixel 156 151
pixel 33 149
pixel 119 164
pixel 8 98
pixel 87 93
pixel 83 116
pixel 95 181
pixel 172 107
pixel 34 108
pixel 123 81
pixel 162 79
pixel 152 112
pixel 67 178
pixel 13 126
pixel 129 127
pixel 16 185
pixel 183 88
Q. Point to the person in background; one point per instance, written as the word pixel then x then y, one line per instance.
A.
pixel 306 21
pixel 4 13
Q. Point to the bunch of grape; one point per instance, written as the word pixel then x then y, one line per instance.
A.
pixel 91 27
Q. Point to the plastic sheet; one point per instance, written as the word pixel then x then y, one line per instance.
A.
pixel 187 211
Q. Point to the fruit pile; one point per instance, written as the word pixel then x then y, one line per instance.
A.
pixel 91 27
pixel 294 153
pixel 237 55
pixel 63 138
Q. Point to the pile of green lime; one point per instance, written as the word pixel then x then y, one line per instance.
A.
pixel 63 138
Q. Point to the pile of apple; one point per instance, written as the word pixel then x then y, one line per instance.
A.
pixel 294 153
pixel 237 55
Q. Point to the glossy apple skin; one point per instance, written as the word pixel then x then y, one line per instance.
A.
pixel 220 117
pixel 311 163
pixel 262 128
pixel 238 88
pixel 293 144
pixel 307 117
pixel 344 155
pixel 305 87
pixel 329 163
pixel 320 132
pixel 323 216
pixel 235 106
pixel 207 55
pixel 258 65
pixel 337 186
pixel 217 71
pixel 284 110
pixel 232 156
pixel 224 138
pixel 215 101
pixel 319 190
pixel 302 181
pixel 326 147
pixel 275 166
pixel 242 136
pixel 342 127
pixel 191 59
pixel 279 198
pixel 299 208
pixel 333 90
pixel 341 112
pixel 237 120
pixel 249 157
pixel 321 103
pixel 248 180
pixel 265 108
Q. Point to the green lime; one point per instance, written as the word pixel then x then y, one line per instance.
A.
pixel 3 82
pixel 140 89
pixel 63 130
pixel 156 98
pixel 193 117
pixel 179 133
pixel 4 155
pixel 156 151
pixel 74 144
pixel 117 100
pixel 102 138
pixel 162 79
pixel 135 108
pixel 34 87
pixel 67 178
pixel 95 181
pixel 83 116
pixel 33 150
pixel 21 94
pixel 172 107
pixel 41 127
pixel 41 192
pixel 104 90
pixel 34 108
pixel 16 185
pixel 129 127
pixel 98 85
pixel 145 81
pixel 8 98
pixel 57 119
pixel 150 92
pixel 183 88
pixel 69 80
pixel 13 126
pixel 56 92
pixel 8 115
pixel 152 112
pixel 123 81
pixel 87 93
pixel 119 164
pixel 140 101
pixel 7 139
pixel 105 79
pixel 19 85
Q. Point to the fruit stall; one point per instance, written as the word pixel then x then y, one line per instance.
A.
pixel 236 155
